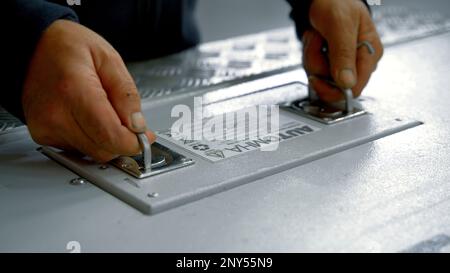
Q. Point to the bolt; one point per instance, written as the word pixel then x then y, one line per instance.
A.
pixel 78 181
pixel 103 167
pixel 153 195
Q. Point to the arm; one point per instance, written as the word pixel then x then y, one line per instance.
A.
pixel 68 84
pixel 24 24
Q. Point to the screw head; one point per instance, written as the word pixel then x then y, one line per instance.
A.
pixel 153 195
pixel 103 167
pixel 78 181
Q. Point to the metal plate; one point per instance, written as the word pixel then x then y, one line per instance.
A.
pixel 189 184
pixel 240 60
pixel 163 160
pixel 323 113
pixel 386 195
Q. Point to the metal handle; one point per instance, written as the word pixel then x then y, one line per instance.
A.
pixel 348 96
pixel 349 105
pixel 146 148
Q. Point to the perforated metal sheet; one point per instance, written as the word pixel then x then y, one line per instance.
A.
pixel 398 24
pixel 8 121
pixel 237 59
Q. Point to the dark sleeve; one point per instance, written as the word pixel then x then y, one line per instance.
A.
pixel 25 20
pixel 300 14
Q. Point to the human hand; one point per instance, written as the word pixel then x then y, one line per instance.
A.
pixel 78 95
pixel 341 25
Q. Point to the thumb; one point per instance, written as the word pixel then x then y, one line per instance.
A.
pixel 342 55
pixel 340 30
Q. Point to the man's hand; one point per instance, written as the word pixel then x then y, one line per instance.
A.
pixel 78 95
pixel 341 24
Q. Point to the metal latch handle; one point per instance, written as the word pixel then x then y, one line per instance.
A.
pixel 349 104
pixel 146 148
pixel 348 97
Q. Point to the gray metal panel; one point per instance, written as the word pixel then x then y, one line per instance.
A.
pixel 189 184
pixel 388 195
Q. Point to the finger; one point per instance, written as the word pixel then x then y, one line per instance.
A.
pixel 100 122
pixel 78 140
pixel 315 61
pixel 324 90
pixel 342 50
pixel 122 93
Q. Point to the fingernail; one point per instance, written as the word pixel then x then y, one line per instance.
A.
pixel 138 122
pixel 347 78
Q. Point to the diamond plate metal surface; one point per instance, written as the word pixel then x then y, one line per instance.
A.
pixel 252 56
pixel 8 121
pixel 257 55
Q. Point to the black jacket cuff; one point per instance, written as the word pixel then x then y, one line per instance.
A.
pixel 26 21
pixel 300 14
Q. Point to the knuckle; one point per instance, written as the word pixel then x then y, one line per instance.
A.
pixel 335 15
pixel 340 19
pixel 108 53
pixel 105 138
pixel 115 55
